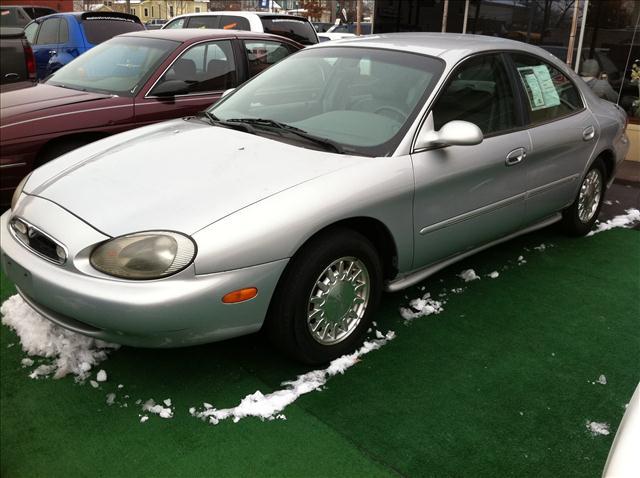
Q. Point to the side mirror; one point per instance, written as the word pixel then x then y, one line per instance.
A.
pixel 171 88
pixel 226 92
pixel 454 133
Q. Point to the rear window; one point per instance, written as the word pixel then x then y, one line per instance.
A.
pixel 100 28
pixel 298 30
pixel 13 17
pixel 202 22
pixel 230 22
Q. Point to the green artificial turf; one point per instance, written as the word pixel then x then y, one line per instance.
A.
pixel 499 384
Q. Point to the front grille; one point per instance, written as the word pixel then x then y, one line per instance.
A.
pixel 38 241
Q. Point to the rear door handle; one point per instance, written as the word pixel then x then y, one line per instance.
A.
pixel 588 133
pixel 52 52
pixel 516 156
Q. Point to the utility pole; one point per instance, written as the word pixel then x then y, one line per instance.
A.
pixel 583 25
pixel 358 17
pixel 445 12
pixel 572 35
pixel 466 14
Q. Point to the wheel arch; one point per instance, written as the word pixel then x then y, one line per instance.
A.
pixel 608 157
pixel 54 143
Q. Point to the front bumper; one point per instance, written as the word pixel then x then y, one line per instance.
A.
pixel 185 309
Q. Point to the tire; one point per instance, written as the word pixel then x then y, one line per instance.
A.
pixel 579 218
pixel 52 151
pixel 350 299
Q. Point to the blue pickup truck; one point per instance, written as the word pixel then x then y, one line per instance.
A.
pixel 59 38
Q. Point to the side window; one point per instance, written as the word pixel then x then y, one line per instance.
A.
pixel 262 54
pixel 203 22
pixel 179 23
pixel 205 67
pixel 549 93
pixel 48 32
pixel 30 32
pixel 478 92
pixel 230 22
pixel 63 34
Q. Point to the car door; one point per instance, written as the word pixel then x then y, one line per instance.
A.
pixel 563 135
pixel 46 45
pixel 467 196
pixel 209 68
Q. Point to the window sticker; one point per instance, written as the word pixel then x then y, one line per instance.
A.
pixel 539 86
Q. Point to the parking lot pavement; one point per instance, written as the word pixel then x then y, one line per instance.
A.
pixel 619 198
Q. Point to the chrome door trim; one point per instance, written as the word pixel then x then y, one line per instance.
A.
pixel 546 187
pixel 472 214
pixel 14 165
pixel 416 276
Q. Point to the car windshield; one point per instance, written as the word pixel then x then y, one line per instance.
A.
pixel 361 100
pixel 118 66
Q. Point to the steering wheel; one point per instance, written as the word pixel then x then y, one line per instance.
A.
pixel 396 113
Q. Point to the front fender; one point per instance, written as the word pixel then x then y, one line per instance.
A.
pixel 276 227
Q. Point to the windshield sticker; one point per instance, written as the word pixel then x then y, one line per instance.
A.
pixel 539 86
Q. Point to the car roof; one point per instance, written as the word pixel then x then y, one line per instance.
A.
pixel 242 14
pixel 448 46
pixel 195 34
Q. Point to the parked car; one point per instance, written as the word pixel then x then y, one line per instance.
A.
pixel 18 63
pixel 298 29
pixel 57 39
pixel 155 24
pixel 347 169
pixel 18 16
pixel 128 81
pixel 350 27
pixel 623 460
pixel 323 37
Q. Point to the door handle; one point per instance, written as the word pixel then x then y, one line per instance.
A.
pixel 516 156
pixel 52 52
pixel 588 133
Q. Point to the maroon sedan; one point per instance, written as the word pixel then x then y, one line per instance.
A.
pixel 129 81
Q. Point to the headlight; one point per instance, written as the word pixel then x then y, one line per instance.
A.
pixel 144 255
pixel 18 191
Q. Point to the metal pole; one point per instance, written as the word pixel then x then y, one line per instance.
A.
pixel 358 15
pixel 572 35
pixel 583 25
pixel 466 14
pixel 444 15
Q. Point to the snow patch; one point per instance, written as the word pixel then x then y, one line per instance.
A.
pixel 27 362
pixel 469 275
pixel 624 220
pixel 101 376
pixel 493 275
pixel 111 398
pixel 597 428
pixel 268 407
pixel 69 352
pixel 421 307
pixel 602 380
pixel 157 409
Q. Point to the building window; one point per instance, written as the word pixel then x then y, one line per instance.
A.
pixel 170 10
pixel 197 9
pixel 146 12
pixel 132 11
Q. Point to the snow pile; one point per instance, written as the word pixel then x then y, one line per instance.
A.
pixel 101 376
pixel 152 407
pixel 421 307
pixel 602 380
pixel 69 352
pixel 624 220
pixel 597 428
pixel 521 260
pixel 269 406
pixel 541 247
pixel 494 274
pixel 468 275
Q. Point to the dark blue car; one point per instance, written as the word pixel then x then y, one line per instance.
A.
pixel 59 38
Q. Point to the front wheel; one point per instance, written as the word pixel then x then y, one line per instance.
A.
pixel 325 300
pixel 579 218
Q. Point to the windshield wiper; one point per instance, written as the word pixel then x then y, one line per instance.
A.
pixel 283 127
pixel 215 121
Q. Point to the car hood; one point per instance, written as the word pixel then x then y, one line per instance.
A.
pixel 40 97
pixel 180 175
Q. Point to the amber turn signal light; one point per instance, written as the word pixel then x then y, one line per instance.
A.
pixel 240 295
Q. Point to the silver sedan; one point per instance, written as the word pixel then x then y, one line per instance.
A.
pixel 349 168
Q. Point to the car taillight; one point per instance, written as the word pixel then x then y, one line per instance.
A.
pixel 31 60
